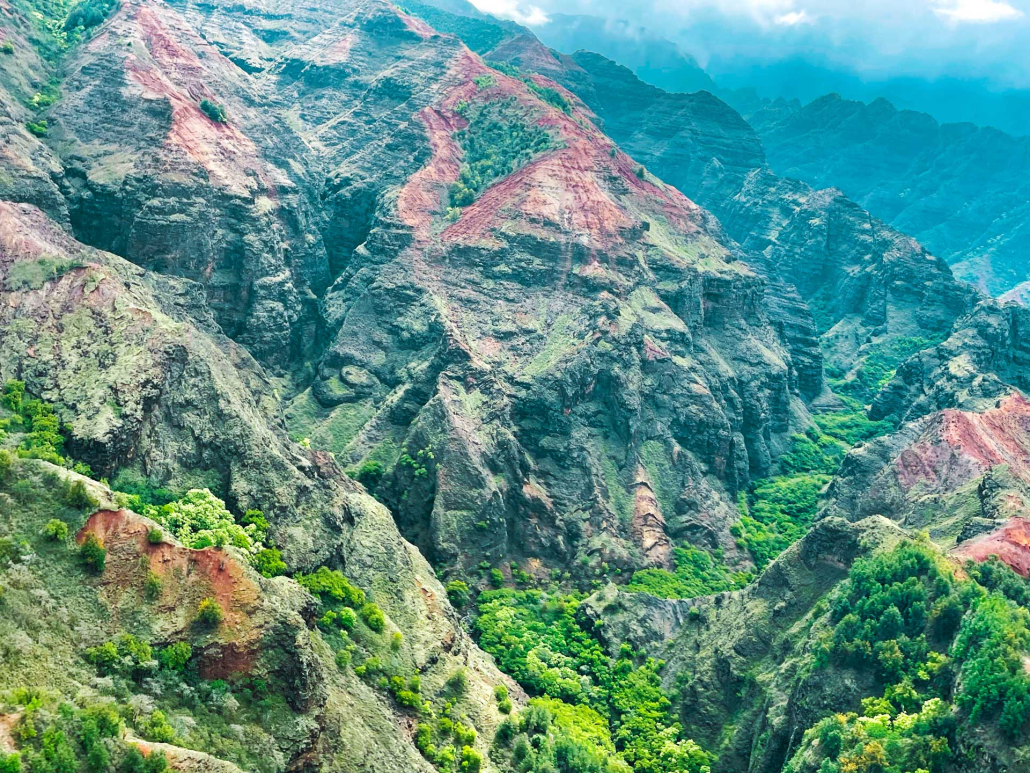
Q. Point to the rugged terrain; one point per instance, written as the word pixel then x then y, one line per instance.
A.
pixel 384 392
pixel 958 188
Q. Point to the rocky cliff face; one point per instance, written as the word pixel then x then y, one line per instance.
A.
pixel 957 465
pixel 547 314
pixel 145 381
pixel 861 278
pixel 273 249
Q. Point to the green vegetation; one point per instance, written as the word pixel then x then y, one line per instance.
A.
pixel 200 519
pixel 551 96
pixel 496 142
pixel 42 436
pixel 339 597
pixel 777 513
pixel 209 614
pixel 458 593
pixel 946 650
pixel 37 128
pixel 60 738
pixel 93 554
pixel 269 562
pixel 7 47
pixel 536 638
pixel 88 14
pixel 698 573
pixel 877 367
pixel 213 111
pixel 56 530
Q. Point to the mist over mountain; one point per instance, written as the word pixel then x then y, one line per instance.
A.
pixel 959 61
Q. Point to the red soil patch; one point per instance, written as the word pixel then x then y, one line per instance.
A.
pixel 221 576
pixel 421 197
pixel 565 191
pixel 1010 543
pixel 338 52
pixel 175 73
pixel 187 577
pixel 26 233
pixel 416 25
pixel 959 446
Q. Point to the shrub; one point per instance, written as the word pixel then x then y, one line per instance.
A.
pixel 269 562
pixel 56 530
pixel 496 578
pixel 346 619
pixel 7 47
pixel 10 763
pixel 13 395
pixel 373 617
pixel 370 473
pixel 156 728
pixel 6 464
pixel 93 554
pixel 458 682
pixel 331 584
pixel 213 111
pixel 175 656
pixel 396 640
pixel 37 128
pixel 78 497
pixel 458 593
pixel 257 519
pixel 155 536
pixel 199 519
pixel 209 614
pixel 152 587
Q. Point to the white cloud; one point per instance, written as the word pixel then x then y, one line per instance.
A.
pixel 794 19
pixel 514 10
pixel 976 11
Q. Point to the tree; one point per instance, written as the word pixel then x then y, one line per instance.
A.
pixel 458 593
pixel 56 530
pixel 175 656
pixel 269 562
pixel 98 760
pixel 213 111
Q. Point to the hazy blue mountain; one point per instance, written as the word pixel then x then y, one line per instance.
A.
pixel 962 190
pixel 651 57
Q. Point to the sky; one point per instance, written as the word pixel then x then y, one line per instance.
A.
pixel 987 41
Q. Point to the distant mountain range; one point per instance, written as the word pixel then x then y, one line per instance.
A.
pixel 959 188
